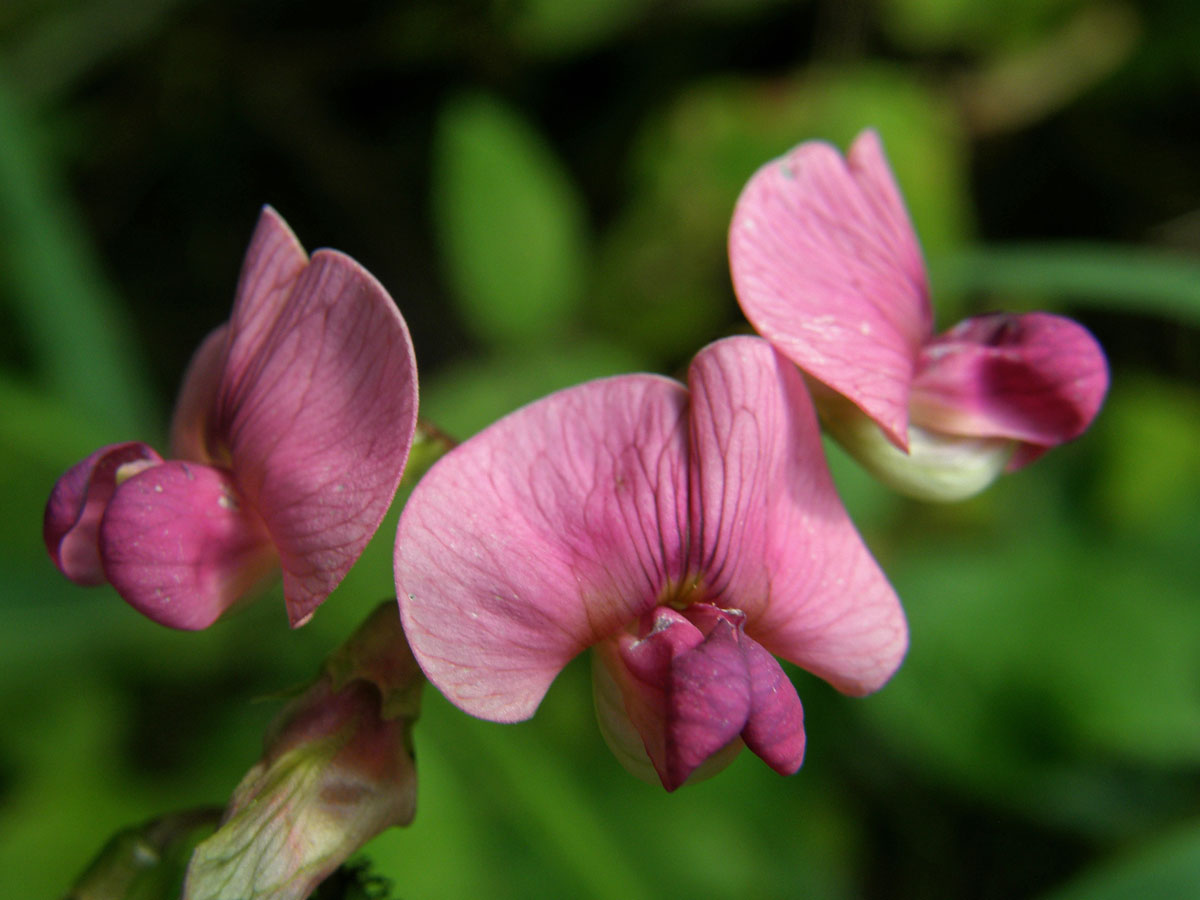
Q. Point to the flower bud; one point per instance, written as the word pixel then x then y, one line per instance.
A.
pixel 337 770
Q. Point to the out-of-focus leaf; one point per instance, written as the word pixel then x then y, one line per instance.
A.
pixel 510 223
pixel 1123 278
pixel 1150 481
pixel 971 24
pixel 471 395
pixel 518 806
pixel 552 27
pixel 1166 868
pixel 68 41
pixel 81 342
pixel 1044 663
pixel 557 28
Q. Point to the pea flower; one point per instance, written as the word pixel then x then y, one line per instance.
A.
pixel 687 534
pixel 827 267
pixel 289 438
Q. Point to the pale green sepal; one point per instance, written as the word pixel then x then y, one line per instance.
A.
pixel 938 468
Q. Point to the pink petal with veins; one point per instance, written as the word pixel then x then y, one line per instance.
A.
pixel 826 266
pixel 771 535
pixel 272 265
pixel 320 419
pixel 192 422
pixel 72 519
pixel 180 546
pixel 1036 378
pixel 543 534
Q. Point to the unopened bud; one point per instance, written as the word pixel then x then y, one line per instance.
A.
pixel 337 770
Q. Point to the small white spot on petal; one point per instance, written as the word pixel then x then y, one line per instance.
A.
pixel 865 328
pixel 226 502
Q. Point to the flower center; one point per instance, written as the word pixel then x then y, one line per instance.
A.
pixel 679 595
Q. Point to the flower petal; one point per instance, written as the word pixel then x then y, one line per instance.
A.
pixel 769 531
pixel 72 520
pixel 192 424
pixel 1036 378
pixel 827 268
pixel 180 546
pixel 273 263
pixel 687 693
pixel 320 421
pixel 542 535
pixel 775 730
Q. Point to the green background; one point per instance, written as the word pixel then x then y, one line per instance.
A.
pixel 545 188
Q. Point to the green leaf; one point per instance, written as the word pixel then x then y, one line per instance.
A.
pixel 465 398
pixel 510 223
pixel 1150 481
pixel 944 24
pixel 555 28
pixel 1167 868
pixel 1051 670
pixel 81 341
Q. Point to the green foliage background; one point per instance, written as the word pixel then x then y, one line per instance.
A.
pixel 544 187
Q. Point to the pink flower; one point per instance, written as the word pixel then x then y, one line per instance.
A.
pixel 685 533
pixel 827 268
pixel 290 436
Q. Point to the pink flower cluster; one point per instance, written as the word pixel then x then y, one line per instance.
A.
pixel 289 438
pixel 689 534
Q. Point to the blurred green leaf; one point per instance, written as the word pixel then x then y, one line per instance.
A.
pixel 1150 481
pixel 510 223
pixel 468 396
pixel 976 25
pixel 80 338
pixel 1165 868
pixel 69 40
pixel 1045 662
pixel 1129 279
pixel 553 27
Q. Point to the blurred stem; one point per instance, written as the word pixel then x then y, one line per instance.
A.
pixel 1114 277
pixel 430 444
